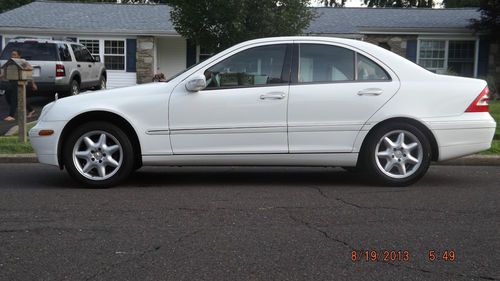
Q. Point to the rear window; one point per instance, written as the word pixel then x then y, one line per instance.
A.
pixel 32 51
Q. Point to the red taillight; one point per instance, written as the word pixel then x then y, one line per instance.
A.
pixel 480 104
pixel 60 71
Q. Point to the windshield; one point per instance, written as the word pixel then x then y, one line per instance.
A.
pixel 31 51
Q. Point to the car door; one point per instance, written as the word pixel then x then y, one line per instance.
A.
pixel 81 65
pixel 334 91
pixel 93 68
pixel 242 109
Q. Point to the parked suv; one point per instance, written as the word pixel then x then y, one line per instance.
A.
pixel 59 66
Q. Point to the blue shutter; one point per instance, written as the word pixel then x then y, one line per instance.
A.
pixel 131 53
pixel 1 41
pixel 190 53
pixel 482 58
pixel 411 50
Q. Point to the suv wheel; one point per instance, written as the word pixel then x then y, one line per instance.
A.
pixel 98 154
pixel 102 83
pixel 397 154
pixel 74 88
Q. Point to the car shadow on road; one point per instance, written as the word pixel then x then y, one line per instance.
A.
pixel 166 177
pixel 244 176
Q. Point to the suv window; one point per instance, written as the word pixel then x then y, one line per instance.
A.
pixel 77 50
pixel 325 63
pixel 64 54
pixel 369 70
pixel 86 55
pixel 255 66
pixel 31 50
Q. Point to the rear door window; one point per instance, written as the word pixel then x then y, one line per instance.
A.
pixel 32 51
pixel 77 50
pixel 64 54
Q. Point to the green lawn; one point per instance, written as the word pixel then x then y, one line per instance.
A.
pixel 10 145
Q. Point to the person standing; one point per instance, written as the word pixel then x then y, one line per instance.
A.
pixel 11 94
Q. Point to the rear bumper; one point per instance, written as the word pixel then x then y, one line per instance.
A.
pixel 48 88
pixel 469 134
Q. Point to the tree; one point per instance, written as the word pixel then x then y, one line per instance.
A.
pixel 400 3
pixel 333 3
pixel 218 24
pixel 460 3
pixel 6 5
pixel 489 23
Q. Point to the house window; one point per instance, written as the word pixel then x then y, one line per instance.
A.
pixel 114 54
pixel 432 54
pixel 455 57
pixel 204 54
pixel 461 57
pixel 92 46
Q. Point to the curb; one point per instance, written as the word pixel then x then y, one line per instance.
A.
pixel 18 158
pixel 473 160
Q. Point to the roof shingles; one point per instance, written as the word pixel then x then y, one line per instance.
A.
pixel 153 19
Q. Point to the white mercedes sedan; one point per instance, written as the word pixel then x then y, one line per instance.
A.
pixel 285 101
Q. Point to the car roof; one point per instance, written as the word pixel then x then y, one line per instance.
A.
pixel 39 40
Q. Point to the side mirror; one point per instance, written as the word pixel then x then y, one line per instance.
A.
pixel 196 83
pixel 97 59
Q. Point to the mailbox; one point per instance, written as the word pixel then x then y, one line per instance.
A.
pixel 18 69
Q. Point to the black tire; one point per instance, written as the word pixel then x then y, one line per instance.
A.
pixel 102 83
pixel 74 88
pixel 397 175
pixel 111 175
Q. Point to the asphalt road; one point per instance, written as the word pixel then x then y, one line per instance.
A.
pixel 248 224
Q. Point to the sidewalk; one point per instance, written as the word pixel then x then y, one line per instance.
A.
pixel 472 160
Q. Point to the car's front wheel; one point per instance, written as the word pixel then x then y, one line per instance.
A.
pixel 397 154
pixel 98 154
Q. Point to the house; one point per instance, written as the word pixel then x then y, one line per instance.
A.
pixel 137 41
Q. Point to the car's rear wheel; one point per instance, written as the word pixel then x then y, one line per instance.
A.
pixel 74 88
pixel 102 83
pixel 397 154
pixel 98 154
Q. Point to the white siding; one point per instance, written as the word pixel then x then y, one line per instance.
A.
pixel 171 55
pixel 121 79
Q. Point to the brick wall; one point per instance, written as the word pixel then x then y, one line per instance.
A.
pixel 396 43
pixel 145 59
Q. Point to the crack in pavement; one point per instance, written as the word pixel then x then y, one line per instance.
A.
pixel 140 255
pixel 109 267
pixel 345 202
pixel 188 235
pixel 330 237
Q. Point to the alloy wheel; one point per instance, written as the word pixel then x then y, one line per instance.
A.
pixel 97 155
pixel 399 154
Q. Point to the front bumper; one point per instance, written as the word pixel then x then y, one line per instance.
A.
pixel 46 146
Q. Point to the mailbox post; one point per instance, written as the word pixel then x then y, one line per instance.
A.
pixel 21 71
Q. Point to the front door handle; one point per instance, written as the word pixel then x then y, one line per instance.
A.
pixel 370 92
pixel 273 96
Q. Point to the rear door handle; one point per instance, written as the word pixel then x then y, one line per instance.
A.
pixel 370 92
pixel 78 65
pixel 273 96
pixel 90 65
